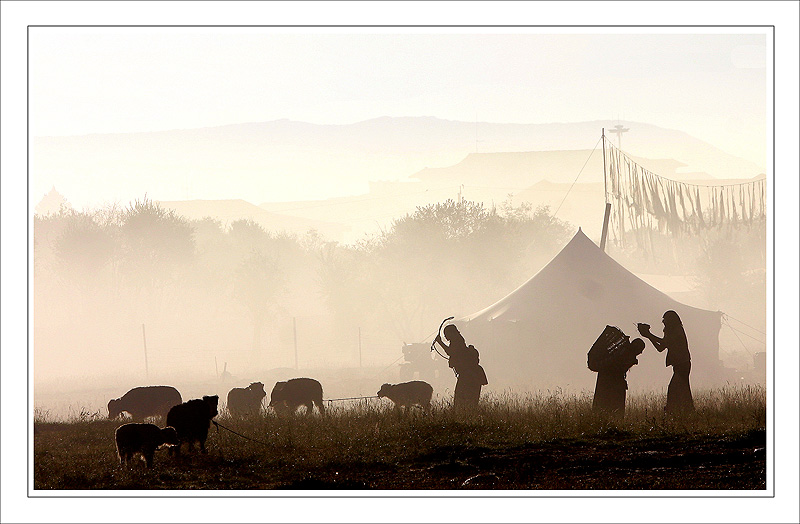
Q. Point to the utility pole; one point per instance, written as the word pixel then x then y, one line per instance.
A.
pixel 294 329
pixel 144 341
pixel 359 347
pixel 619 130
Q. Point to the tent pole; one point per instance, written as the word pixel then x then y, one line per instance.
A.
pixel 605 227
pixel 605 192
pixel 605 182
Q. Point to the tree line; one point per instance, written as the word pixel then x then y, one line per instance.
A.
pixel 225 284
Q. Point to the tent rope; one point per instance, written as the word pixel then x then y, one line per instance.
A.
pixel 739 339
pixel 748 325
pixel 576 178
pixel 745 334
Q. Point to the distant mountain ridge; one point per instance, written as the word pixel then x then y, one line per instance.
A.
pixel 289 161
pixel 520 170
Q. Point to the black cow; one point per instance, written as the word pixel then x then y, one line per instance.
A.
pixel 191 420
pixel 145 401
pixel 246 401
pixel 288 396
pixel 408 394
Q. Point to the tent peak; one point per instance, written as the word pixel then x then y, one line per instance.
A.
pixel 580 236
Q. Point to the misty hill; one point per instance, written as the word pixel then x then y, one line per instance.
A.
pixel 521 169
pixel 293 161
pixel 228 211
pixel 537 177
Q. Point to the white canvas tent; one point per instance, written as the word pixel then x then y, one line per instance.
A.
pixel 538 336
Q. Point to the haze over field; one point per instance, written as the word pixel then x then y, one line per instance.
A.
pixel 264 203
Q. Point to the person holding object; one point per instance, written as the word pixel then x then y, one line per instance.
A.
pixel 611 387
pixel 679 393
pixel 464 360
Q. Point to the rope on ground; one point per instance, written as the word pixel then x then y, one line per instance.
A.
pixel 348 398
pixel 239 434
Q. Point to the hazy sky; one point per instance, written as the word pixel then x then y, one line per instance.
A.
pixel 102 80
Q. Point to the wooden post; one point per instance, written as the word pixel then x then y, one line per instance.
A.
pixel 294 329
pixel 607 214
pixel 605 227
pixel 359 347
pixel 605 182
pixel 144 341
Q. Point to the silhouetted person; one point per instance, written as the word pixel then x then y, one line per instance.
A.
pixel 679 393
pixel 465 361
pixel 611 388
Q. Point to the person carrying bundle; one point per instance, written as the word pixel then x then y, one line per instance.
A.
pixel 611 356
pixel 464 360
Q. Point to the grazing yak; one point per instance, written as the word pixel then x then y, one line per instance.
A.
pixel 142 439
pixel 287 396
pixel 407 394
pixel 246 401
pixel 146 401
pixel 191 420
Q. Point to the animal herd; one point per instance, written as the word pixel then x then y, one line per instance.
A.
pixel 188 422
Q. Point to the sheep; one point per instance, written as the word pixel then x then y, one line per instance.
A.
pixel 191 420
pixel 246 401
pixel 142 439
pixel 288 396
pixel 146 401
pixel 408 394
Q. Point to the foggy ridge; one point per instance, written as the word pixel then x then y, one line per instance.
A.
pixel 301 161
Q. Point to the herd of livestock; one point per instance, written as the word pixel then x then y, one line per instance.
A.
pixel 189 422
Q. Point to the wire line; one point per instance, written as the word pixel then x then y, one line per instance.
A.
pixel 739 339
pixel 745 334
pixel 751 327
pixel 576 178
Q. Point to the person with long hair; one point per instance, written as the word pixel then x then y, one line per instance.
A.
pixel 470 376
pixel 679 392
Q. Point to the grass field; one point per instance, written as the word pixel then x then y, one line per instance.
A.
pixel 536 442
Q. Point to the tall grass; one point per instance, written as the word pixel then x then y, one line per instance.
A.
pixel 374 431
pixel 371 434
